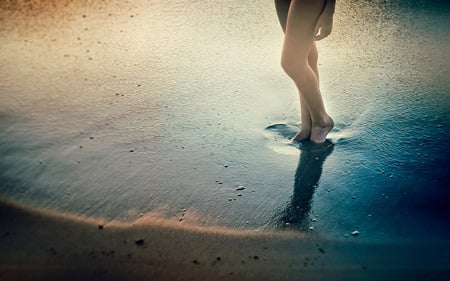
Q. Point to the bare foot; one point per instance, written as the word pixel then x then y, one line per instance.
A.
pixel 319 132
pixel 302 135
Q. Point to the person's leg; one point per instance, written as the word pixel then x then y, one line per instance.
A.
pixel 282 7
pixel 313 58
pixel 298 45
pixel 305 130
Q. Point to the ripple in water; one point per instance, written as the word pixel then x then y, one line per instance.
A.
pixel 278 137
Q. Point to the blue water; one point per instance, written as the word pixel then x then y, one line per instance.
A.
pixel 179 105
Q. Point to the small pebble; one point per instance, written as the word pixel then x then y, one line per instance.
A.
pixel 240 187
pixel 355 233
pixel 314 220
pixel 311 228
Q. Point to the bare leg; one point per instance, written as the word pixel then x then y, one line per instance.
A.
pixel 306 123
pixel 282 7
pixel 298 44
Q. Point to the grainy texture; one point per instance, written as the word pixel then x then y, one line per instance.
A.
pixel 41 245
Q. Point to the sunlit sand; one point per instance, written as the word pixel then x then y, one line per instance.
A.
pixel 152 138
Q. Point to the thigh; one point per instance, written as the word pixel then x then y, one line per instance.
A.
pixel 301 25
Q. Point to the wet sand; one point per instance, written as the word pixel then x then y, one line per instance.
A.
pixel 41 245
pixel 127 130
pixel 112 109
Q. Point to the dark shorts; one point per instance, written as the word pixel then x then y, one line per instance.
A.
pixel 282 7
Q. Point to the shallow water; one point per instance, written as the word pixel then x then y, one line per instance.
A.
pixel 118 109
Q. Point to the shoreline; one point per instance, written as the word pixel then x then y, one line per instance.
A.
pixel 112 109
pixel 43 245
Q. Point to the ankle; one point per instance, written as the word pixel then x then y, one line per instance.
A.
pixel 323 121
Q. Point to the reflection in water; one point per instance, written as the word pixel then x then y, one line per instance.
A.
pixel 307 176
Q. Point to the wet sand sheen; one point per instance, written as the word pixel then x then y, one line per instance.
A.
pixel 73 248
pixel 112 109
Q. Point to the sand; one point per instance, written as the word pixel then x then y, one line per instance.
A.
pixel 44 245
pixel 110 109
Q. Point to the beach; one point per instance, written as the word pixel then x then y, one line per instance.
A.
pixel 71 248
pixel 169 123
